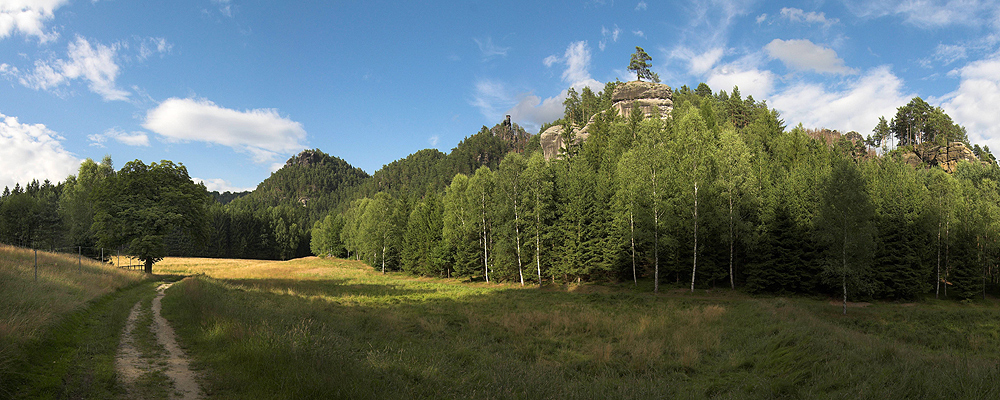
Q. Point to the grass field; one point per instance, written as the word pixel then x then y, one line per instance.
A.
pixel 49 327
pixel 327 328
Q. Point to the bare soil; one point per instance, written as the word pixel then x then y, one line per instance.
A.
pixel 132 365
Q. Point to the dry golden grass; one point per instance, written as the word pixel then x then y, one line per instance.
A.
pixel 64 284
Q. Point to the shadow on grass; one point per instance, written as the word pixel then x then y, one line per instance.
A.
pixel 326 288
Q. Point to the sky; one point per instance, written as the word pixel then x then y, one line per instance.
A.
pixel 233 88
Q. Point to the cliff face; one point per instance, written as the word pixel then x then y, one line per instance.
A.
pixel 947 157
pixel 648 96
pixel 651 98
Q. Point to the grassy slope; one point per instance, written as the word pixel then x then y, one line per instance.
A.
pixel 314 328
pixel 58 334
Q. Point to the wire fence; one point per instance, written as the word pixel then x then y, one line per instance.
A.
pixel 108 256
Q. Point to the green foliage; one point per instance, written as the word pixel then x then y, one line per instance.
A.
pixel 845 227
pixel 138 207
pixel 640 65
pixel 918 122
pixel 326 237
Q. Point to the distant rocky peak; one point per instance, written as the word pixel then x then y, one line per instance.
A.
pixel 307 158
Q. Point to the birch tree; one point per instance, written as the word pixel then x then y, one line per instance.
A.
pixel 845 224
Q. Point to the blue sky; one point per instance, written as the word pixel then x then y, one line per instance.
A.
pixel 232 88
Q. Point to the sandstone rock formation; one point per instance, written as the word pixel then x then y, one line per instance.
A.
pixel 947 157
pixel 647 95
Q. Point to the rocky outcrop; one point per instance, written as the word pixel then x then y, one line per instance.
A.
pixel 552 139
pixel 947 157
pixel 651 98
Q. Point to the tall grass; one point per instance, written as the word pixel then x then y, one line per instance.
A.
pixel 28 308
pixel 316 328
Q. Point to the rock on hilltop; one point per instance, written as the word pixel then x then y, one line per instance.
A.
pixel 947 157
pixel 651 98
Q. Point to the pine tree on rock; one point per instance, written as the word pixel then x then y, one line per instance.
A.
pixel 640 65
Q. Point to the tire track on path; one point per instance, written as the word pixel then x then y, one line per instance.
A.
pixel 131 366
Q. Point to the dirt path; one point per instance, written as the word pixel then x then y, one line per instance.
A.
pixel 131 364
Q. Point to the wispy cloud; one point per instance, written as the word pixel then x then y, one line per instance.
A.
pixel 153 45
pixel 608 35
pixel 806 55
pixel 945 54
pixel 490 50
pixel 799 15
pixel 639 33
pixel 929 13
pixel 137 138
pixel 225 7
pixel 641 6
pixel 32 151
pixel 261 132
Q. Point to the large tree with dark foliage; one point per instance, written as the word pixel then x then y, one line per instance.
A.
pixel 138 207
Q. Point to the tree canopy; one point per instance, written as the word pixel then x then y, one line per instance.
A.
pixel 140 205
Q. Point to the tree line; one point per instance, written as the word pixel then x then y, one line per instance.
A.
pixel 719 194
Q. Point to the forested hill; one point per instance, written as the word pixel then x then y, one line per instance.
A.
pixel 275 219
pixel 312 180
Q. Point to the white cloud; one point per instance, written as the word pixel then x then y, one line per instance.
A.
pixel 28 17
pixel 709 26
pixel 805 55
pixel 973 104
pixel 698 64
pixel 262 132
pixel 221 185
pixel 577 74
pixel 812 17
pixel 137 138
pixel 489 49
pixel 639 33
pixel 761 18
pixel 751 81
pixel 641 6
pixel 531 111
pixel 433 140
pixel 97 65
pixel 857 107
pixel 30 152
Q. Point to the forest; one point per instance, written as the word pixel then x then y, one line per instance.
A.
pixel 720 194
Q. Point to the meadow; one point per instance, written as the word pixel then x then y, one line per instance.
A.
pixel 58 332
pixel 330 328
